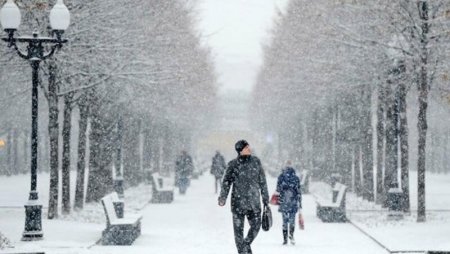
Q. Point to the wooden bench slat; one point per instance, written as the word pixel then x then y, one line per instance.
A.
pixel 119 231
pixel 333 211
pixel 160 194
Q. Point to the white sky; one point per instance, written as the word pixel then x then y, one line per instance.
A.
pixel 235 30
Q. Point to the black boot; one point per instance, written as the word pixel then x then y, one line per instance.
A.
pixel 246 249
pixel 285 236
pixel 249 249
pixel 291 234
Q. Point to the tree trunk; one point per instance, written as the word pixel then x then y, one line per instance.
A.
pixel 130 151
pixel 367 137
pixel 357 172
pixel 391 179
pixel 41 154
pixel 440 160
pixel 67 125
pixel 53 132
pixel 156 150
pixel 140 153
pixel 118 160
pixel 147 153
pixel 45 154
pixel 328 132
pixel 422 130
pixel 431 151
pixel 446 153
pixel 348 136
pixel 100 145
pixel 15 148
pixel 25 153
pixel 404 147
pixel 94 181
pixel 334 136
pixel 422 117
pixel 81 163
pixel 166 149
pixel 304 152
pixel 9 145
pixel 381 119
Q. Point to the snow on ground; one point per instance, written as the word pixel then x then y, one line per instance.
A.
pixel 405 234
pixel 194 223
pixel 4 242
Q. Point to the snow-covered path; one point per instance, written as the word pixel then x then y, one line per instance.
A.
pixel 194 224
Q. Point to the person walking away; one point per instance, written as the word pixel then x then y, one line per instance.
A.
pixel 184 168
pixel 288 185
pixel 218 169
pixel 245 175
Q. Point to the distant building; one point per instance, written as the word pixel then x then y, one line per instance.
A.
pixel 233 124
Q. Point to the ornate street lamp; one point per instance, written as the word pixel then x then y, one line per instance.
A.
pixel 10 21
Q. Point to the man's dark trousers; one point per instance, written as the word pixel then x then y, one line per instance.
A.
pixel 254 218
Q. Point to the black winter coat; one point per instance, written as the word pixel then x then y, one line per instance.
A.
pixel 218 165
pixel 184 166
pixel 247 177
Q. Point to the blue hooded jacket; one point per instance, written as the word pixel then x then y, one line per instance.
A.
pixel 288 186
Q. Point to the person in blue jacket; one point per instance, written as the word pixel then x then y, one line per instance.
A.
pixel 288 186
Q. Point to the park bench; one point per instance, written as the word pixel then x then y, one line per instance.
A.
pixel 161 188
pixel 333 211
pixel 121 230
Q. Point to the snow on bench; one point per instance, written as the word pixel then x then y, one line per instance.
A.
pixel 162 189
pixel 334 210
pixel 119 231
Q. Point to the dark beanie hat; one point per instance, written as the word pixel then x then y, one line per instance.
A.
pixel 240 145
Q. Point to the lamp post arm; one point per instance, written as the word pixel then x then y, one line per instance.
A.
pixel 52 51
pixel 20 53
pixel 12 43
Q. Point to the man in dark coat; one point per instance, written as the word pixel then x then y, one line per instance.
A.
pixel 184 167
pixel 246 175
pixel 218 169
pixel 288 186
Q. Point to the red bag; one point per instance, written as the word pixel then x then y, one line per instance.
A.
pixel 275 199
pixel 301 221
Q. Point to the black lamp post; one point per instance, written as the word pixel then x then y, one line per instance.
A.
pixel 10 20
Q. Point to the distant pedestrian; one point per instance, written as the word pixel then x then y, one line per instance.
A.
pixel 288 186
pixel 218 169
pixel 246 175
pixel 184 167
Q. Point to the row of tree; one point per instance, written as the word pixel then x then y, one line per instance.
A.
pixel 344 78
pixel 130 89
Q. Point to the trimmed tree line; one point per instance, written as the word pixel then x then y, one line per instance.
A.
pixel 133 85
pixel 345 78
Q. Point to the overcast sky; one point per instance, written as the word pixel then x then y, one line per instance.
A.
pixel 235 30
